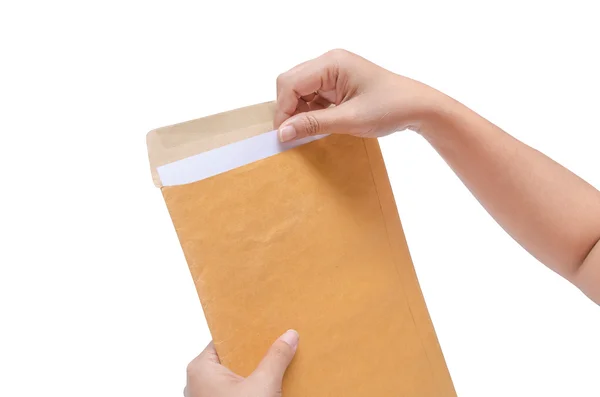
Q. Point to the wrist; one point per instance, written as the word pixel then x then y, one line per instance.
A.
pixel 442 114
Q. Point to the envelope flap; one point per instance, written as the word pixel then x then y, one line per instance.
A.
pixel 178 141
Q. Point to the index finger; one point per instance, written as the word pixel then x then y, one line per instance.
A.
pixel 208 355
pixel 303 80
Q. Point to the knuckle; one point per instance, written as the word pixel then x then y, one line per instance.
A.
pixel 280 81
pixel 280 350
pixel 337 53
pixel 311 125
pixel 193 368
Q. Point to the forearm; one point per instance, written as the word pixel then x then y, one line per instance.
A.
pixel 550 211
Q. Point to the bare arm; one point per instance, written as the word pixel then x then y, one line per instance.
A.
pixel 551 212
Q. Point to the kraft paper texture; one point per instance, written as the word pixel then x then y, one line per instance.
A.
pixel 308 239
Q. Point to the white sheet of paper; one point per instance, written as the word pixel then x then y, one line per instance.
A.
pixel 225 158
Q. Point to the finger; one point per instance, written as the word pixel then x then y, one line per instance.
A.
pixel 304 80
pixel 278 358
pixel 302 107
pixel 319 102
pixel 198 366
pixel 315 106
pixel 332 120
pixel 310 97
pixel 209 355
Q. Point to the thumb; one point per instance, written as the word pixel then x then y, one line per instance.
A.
pixel 278 358
pixel 332 120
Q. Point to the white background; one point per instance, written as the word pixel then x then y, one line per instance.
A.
pixel 95 295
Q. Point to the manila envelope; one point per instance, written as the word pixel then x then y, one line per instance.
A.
pixel 304 236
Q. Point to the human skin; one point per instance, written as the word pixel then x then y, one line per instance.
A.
pixel 206 377
pixel 551 212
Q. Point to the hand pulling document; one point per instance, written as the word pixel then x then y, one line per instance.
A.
pixel 303 235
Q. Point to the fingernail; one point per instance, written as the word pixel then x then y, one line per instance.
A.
pixel 287 133
pixel 291 337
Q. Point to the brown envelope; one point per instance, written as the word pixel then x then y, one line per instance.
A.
pixel 308 239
